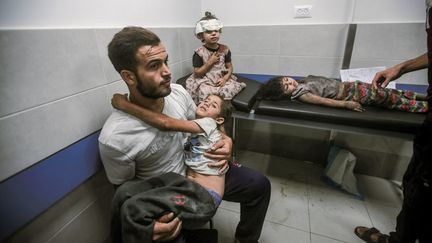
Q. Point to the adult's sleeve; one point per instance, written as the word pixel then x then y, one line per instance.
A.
pixel 118 167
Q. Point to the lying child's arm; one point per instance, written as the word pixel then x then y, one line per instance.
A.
pixel 318 100
pixel 154 119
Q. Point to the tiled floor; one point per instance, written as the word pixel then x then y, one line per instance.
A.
pixel 303 209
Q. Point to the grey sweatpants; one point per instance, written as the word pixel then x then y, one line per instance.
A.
pixel 138 203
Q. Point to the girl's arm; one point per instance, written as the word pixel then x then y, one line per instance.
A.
pixel 154 119
pixel 318 100
pixel 227 76
pixel 230 69
pixel 201 71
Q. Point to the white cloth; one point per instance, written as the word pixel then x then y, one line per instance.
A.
pixel 340 170
pixel 131 148
pixel 198 143
pixel 208 25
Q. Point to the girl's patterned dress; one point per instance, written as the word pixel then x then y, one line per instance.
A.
pixel 200 88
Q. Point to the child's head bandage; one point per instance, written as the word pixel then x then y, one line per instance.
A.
pixel 208 25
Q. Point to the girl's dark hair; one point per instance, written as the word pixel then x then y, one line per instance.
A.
pixel 208 15
pixel 125 44
pixel 226 108
pixel 272 90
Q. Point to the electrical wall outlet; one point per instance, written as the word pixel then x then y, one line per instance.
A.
pixel 302 11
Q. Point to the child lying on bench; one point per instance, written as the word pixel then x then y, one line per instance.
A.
pixel 349 95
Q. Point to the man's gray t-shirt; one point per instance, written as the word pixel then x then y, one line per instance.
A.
pixel 131 148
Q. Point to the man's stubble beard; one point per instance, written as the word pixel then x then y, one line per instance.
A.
pixel 151 93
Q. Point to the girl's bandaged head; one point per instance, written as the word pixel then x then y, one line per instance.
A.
pixel 208 25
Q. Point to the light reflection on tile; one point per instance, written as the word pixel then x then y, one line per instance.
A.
pixel 303 209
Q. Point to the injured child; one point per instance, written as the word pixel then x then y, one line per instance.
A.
pixel 195 199
pixel 349 95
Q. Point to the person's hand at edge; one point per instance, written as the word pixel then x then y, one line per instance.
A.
pixel 220 150
pixel 166 228
pixel 383 78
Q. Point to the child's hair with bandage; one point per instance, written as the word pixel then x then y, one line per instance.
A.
pixel 207 16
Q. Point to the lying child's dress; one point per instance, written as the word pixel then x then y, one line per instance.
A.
pixel 200 88
pixel 360 92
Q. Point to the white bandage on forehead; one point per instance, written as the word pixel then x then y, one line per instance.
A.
pixel 208 25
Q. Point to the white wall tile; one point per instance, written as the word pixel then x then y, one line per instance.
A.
pixel 252 40
pixel 398 41
pixel 313 40
pixel 95 191
pixel 188 43
pixel 103 38
pixel 255 64
pixel 303 66
pixel 39 66
pixel 31 136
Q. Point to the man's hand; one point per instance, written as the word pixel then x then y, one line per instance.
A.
pixel 166 228
pixel 220 151
pixel 221 164
pixel 383 78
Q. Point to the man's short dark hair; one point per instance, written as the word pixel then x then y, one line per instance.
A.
pixel 123 47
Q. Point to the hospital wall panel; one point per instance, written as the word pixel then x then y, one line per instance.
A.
pixel 398 41
pixel 313 40
pixel 389 44
pixel 170 39
pixel 91 196
pixel 252 40
pixel 255 64
pixel 304 66
pixel 103 37
pixel 188 42
pixel 290 49
pixel 30 136
pixel 40 66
